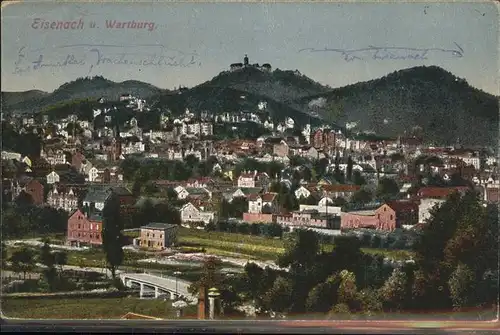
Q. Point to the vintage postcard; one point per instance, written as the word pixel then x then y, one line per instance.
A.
pixel 250 160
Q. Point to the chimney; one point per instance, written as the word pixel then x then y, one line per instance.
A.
pixel 202 305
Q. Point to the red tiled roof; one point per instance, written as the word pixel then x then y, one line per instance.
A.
pixel 246 175
pixel 439 192
pixel 403 206
pixel 253 197
pixel 492 194
pixel 269 196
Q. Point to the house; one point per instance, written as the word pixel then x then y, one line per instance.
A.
pixel 339 190
pixel 302 192
pixel 158 236
pixel 198 193
pixel 307 218
pixel 181 191
pixel 358 219
pixel 238 192
pixel 76 160
pixel 85 167
pixel 190 213
pixel 30 186
pixel 26 160
pixel 93 174
pixel 96 198
pixel 265 203
pixel 247 179
pixel 324 206
pixel 395 214
pixel 57 157
pixel 53 178
pixel 387 217
pixel 84 229
pixel 124 195
pixel 62 198
pixel 281 149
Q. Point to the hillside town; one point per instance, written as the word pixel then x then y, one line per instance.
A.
pixel 335 181
pixel 186 177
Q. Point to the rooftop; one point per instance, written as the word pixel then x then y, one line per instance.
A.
pixel 159 225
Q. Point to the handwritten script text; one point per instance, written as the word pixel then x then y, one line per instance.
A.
pixel 92 56
pixel 390 53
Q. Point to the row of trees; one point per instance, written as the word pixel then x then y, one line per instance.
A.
pixel 20 221
pixel 455 267
pixel 24 260
pixel 256 229
pixel 142 170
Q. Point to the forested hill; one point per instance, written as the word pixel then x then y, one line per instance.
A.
pixel 82 88
pixel 445 107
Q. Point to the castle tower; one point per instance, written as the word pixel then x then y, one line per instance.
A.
pixel 245 60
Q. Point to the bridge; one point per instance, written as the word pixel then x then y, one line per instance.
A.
pixel 162 285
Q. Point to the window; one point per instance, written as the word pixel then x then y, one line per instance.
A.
pixel 391 217
pixel 79 226
pixel 385 209
pixel 161 235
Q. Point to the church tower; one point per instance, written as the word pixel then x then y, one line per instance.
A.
pixel 245 61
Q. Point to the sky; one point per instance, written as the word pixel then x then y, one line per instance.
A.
pixel 192 43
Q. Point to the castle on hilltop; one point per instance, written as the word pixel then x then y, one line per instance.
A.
pixel 238 66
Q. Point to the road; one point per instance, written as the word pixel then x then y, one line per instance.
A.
pixel 166 282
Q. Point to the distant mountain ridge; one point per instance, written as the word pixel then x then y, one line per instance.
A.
pixel 82 88
pixel 446 108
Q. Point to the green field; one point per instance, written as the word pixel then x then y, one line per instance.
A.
pixel 255 247
pixel 91 308
pixel 216 243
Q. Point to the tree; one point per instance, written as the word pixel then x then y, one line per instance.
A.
pixel 4 255
pixel 24 199
pixel 112 238
pixel 456 233
pixel 397 157
pixel 350 164
pixel 387 189
pixel 323 296
pixel 23 260
pixel 462 286
pixel 348 292
pixel 136 188
pixel 361 197
pixel 46 255
pixel 358 179
pixel 150 188
pixel 253 285
pixel 254 229
pixel 301 248
pixel 393 292
pixel 61 259
pixel 376 241
pixel 279 297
